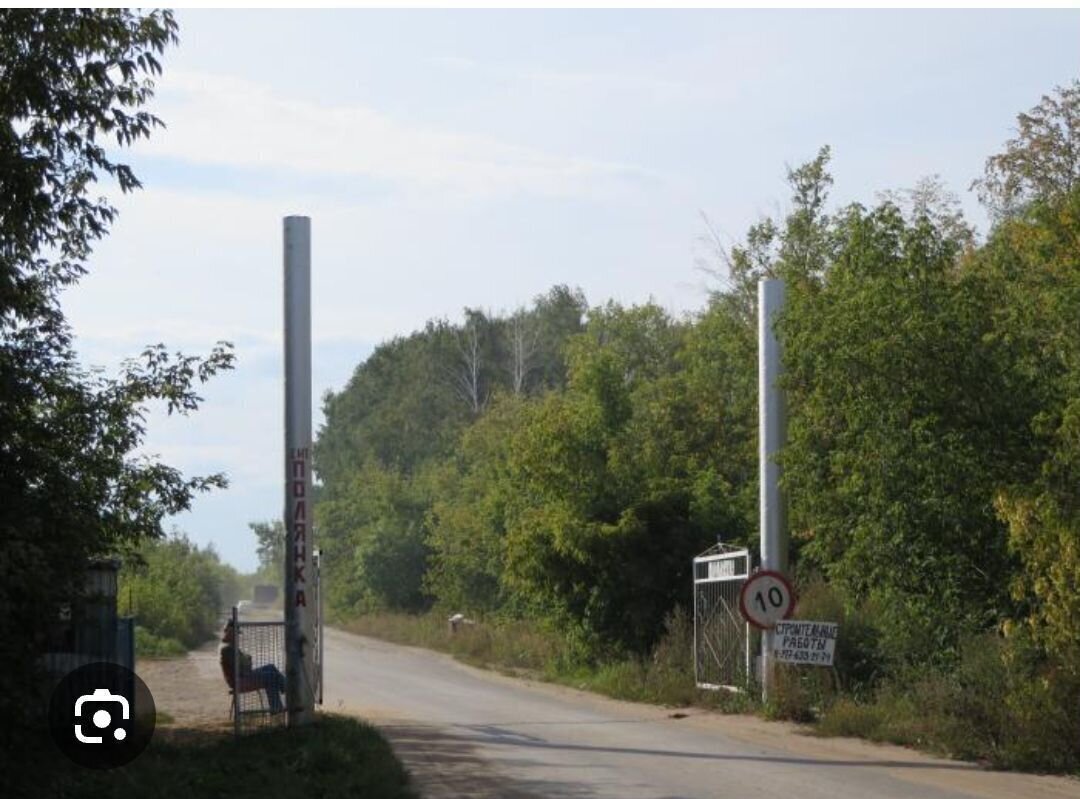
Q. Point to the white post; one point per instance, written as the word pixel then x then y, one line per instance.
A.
pixel 299 580
pixel 771 434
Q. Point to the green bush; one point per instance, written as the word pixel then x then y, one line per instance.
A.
pixel 803 693
pixel 149 645
pixel 1004 704
pixel 177 592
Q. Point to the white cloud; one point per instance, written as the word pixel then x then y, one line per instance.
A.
pixel 228 121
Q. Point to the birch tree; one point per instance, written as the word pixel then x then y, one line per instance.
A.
pixel 523 338
pixel 467 373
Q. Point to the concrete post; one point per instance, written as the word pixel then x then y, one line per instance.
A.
pixel 771 434
pixel 299 577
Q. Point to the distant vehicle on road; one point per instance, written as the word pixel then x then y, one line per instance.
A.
pixel 266 594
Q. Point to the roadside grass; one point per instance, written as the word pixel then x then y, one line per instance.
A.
pixel 509 645
pixel 992 708
pixel 336 758
pixel 1028 726
pixel 524 649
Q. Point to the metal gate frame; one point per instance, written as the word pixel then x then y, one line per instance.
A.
pixel 320 639
pixel 263 642
pixel 722 638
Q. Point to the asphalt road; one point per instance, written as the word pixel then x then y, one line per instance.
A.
pixel 464 732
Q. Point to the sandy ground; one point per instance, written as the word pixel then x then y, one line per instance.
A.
pixel 190 688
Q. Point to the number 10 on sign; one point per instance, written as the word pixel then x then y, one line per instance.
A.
pixel 766 598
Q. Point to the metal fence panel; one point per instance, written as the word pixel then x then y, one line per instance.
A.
pixel 318 648
pixel 722 637
pixel 125 642
pixel 258 684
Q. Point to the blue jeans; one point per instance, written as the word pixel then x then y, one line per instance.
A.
pixel 273 682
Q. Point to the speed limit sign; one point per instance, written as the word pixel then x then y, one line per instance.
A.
pixel 766 598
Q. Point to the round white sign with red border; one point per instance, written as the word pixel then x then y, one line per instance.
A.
pixel 766 598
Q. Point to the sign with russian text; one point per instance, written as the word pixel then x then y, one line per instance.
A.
pixel 805 643
pixel 299 524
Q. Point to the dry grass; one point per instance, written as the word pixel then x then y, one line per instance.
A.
pixel 511 645
pixel 666 678
pixel 990 709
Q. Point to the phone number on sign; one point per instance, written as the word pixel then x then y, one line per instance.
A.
pixel 807 656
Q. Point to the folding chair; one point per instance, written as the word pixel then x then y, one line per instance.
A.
pixel 246 687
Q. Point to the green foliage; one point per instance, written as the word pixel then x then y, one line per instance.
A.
pixel 509 644
pixel 1042 164
pixel 860 659
pixel 270 549
pixel 1002 703
pixel 73 89
pixel 71 79
pixel 472 494
pixel 1036 253
pixel 583 504
pixel 155 646
pixel 177 593
pixel 371 530
pixel 907 414
pixel 397 410
pixel 612 497
pixel 411 399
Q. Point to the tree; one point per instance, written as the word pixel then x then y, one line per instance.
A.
pixel 270 548
pixel 523 343
pixel 398 408
pixel 1033 255
pixel 1042 162
pixel 932 200
pixel 468 372
pixel 372 532
pixel 176 590
pixel 467 520
pixel 600 491
pixel 74 487
pixel 905 415
pixel 559 316
pixel 799 247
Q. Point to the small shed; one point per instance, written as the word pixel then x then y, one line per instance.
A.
pixel 89 628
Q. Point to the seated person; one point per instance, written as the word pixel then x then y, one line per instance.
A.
pixel 265 677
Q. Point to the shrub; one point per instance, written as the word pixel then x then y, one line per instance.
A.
pixel 1004 703
pixel 149 645
pixel 176 592
pixel 802 693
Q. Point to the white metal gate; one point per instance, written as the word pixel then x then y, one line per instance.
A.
pixel 721 636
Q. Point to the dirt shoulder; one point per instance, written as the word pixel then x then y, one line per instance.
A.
pixel 190 689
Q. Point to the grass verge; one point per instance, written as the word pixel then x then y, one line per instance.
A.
pixel 335 757
pixel 524 649
pixel 989 708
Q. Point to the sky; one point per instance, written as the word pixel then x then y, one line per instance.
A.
pixel 476 158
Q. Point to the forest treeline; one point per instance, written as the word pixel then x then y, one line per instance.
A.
pixel 563 463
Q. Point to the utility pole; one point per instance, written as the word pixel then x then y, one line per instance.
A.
pixel 772 432
pixel 299 568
